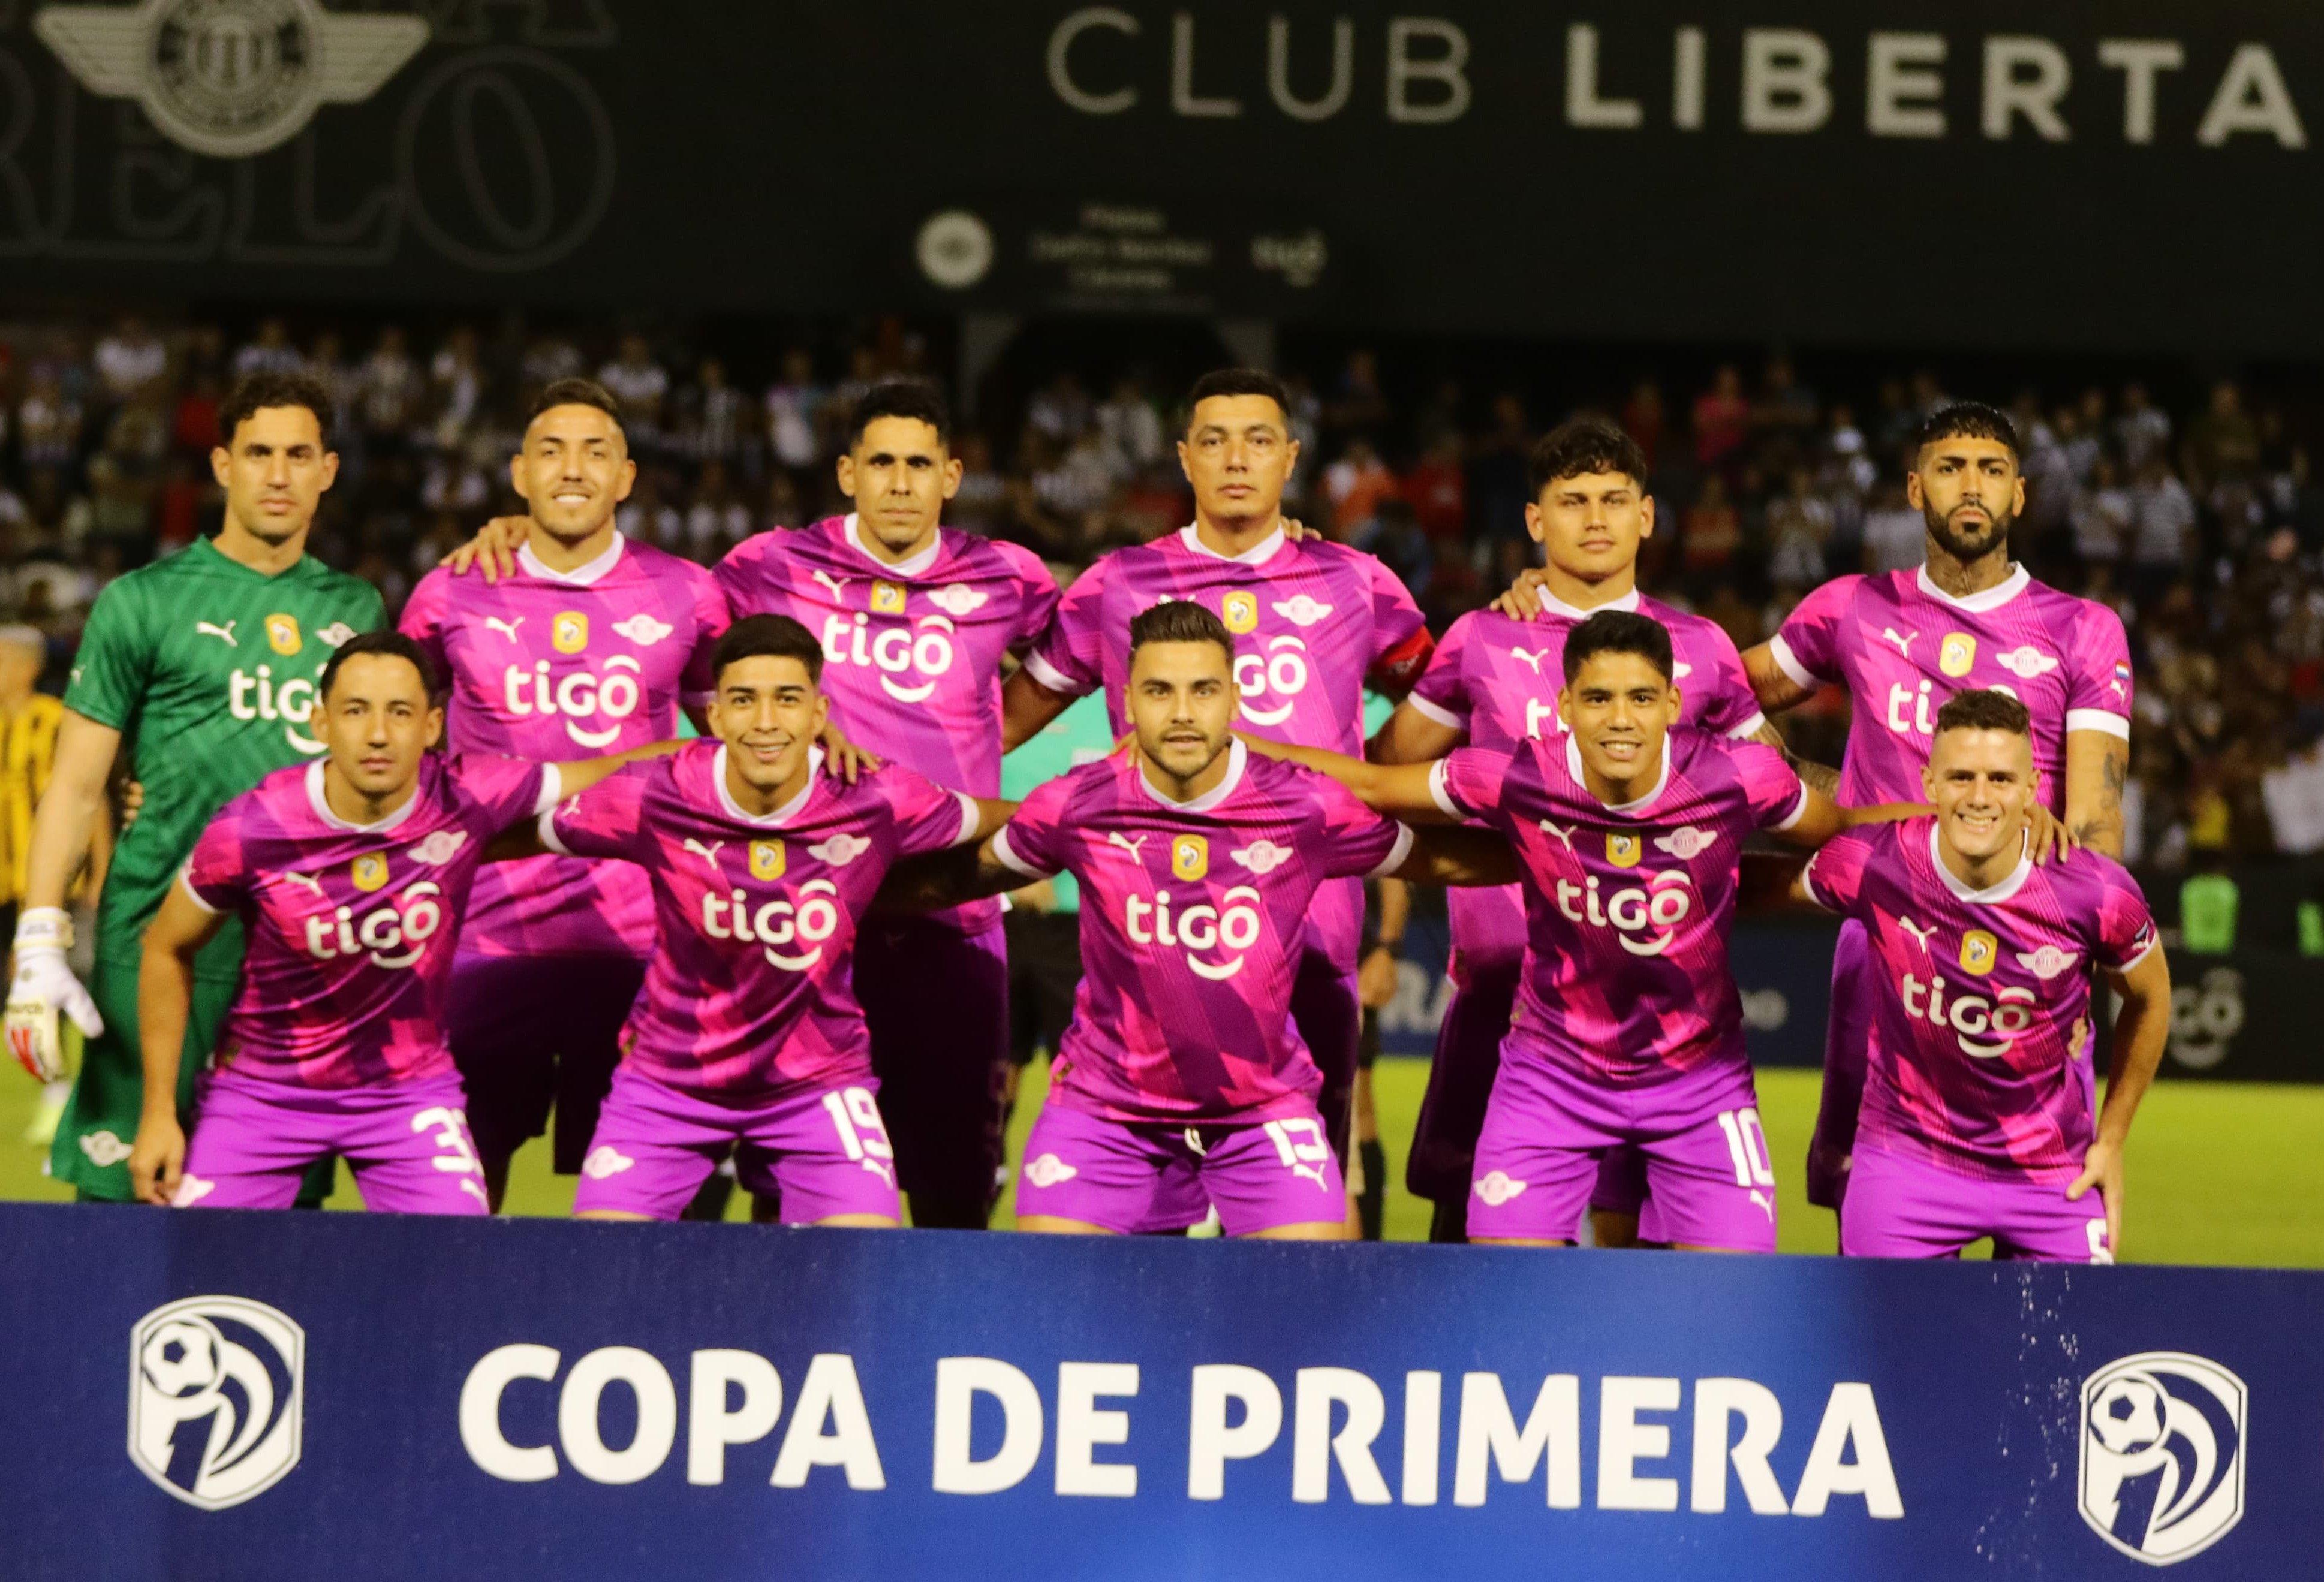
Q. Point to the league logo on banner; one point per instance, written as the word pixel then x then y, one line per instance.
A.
pixel 2163 1462
pixel 215 1394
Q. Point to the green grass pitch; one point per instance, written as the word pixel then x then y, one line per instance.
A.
pixel 2219 1172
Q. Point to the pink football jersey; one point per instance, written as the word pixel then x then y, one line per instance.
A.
pixel 1629 908
pixel 911 651
pixel 560 665
pixel 1976 995
pixel 1192 915
pixel 1902 646
pixel 352 926
pixel 750 993
pixel 1496 678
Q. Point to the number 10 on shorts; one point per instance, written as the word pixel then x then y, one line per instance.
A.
pixel 1747 1147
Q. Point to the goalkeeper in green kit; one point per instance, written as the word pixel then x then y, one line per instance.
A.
pixel 206 662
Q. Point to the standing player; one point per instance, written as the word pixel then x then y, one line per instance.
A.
pixel 208 659
pixel 352 873
pixel 1493 684
pixel 1904 642
pixel 1978 1097
pixel 1182 1082
pixel 1629 1031
pixel 749 1037
pixel 591 646
pixel 1312 621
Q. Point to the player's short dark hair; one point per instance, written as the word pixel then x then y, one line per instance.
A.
pixel 1619 631
pixel 1585 445
pixel 253 392
pixel 388 643
pixel 1239 382
pixel 1968 421
pixel 1983 710
pixel 577 392
pixel 768 637
pixel 1178 621
pixel 900 398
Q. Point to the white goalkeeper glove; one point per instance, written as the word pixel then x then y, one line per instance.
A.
pixel 44 986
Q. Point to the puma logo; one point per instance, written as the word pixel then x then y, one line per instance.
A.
pixel 837 584
pixel 507 629
pixel 1533 659
pixel 1917 931
pixel 1194 1141
pixel 709 854
pixel 225 634
pixel 1129 844
pixel 1565 837
pixel 309 879
pixel 1903 644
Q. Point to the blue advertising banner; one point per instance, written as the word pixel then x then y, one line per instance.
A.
pixel 240 1397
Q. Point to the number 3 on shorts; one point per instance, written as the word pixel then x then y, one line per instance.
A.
pixel 457 1155
pixel 1747 1147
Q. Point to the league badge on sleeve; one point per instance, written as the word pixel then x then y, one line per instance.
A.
pixel 1190 858
pixel 1957 656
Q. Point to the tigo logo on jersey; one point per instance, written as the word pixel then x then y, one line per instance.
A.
pixel 767 861
pixel 1979 951
pixel 887 598
pixel 369 872
pixel 1190 858
pixel 568 633
pixel 215 1394
pixel 282 634
pixel 1624 848
pixel 1958 655
pixel 2163 1466
pixel 1240 611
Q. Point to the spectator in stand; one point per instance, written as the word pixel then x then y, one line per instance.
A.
pixel 1359 406
pixel 2102 516
pixel 1497 490
pixel 646 518
pixel 1355 485
pixel 1799 523
pixel 1895 538
pixel 981 502
pixel 391 392
pixel 550 358
pixel 1710 533
pixel 1061 408
pixel 48 421
pixel 1131 427
pixel 718 521
pixel 794 404
pixel 2222 444
pixel 2162 527
pixel 2143 430
pixel 1786 407
pixel 1722 420
pixel 716 416
pixel 1439 418
pixel 1438 490
pixel 1645 420
pixel 456 388
pixel 270 351
pixel 641 385
pixel 130 361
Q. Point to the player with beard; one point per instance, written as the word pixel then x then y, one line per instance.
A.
pixel 1905 642
pixel 1312 621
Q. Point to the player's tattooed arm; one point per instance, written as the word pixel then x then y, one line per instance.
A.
pixel 1822 777
pixel 1459 855
pixel 493 550
pixel 2140 1031
pixel 953 876
pixel 165 994
pixel 1411 737
pixel 1401 791
pixel 1027 707
pixel 1770 683
pixel 2098 764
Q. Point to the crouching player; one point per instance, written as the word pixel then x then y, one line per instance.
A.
pixel 352 873
pixel 1976 1105
pixel 748 1038
pixel 1181 1081
pixel 1628 1030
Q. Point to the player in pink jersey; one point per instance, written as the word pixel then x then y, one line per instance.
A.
pixel 1904 642
pixel 1312 621
pixel 1493 683
pixel 352 873
pixel 917 621
pixel 1182 1081
pixel 591 646
pixel 1629 1031
pixel 749 1038
pixel 1977 1103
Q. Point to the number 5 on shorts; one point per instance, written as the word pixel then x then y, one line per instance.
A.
pixel 1747 1147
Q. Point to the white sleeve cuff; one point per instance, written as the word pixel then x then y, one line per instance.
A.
pixel 1396 853
pixel 1436 713
pixel 552 790
pixel 2105 720
pixel 1007 857
pixel 186 883
pixel 1050 677
pixel 2152 945
pixel 1807 883
pixel 1439 789
pixel 967 819
pixel 1789 663
pixel 1799 810
pixel 547 826
pixel 1749 728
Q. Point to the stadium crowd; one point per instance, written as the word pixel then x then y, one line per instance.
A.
pixel 2203 526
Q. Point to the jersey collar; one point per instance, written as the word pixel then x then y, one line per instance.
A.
pixel 1258 554
pixel 588 573
pixel 322 807
pixel 1661 781
pixel 782 815
pixel 1237 758
pixel 912 566
pixel 1993 598
pixel 1993 895
pixel 1553 605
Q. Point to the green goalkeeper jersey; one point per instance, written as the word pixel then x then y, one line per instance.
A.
pixel 209 668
